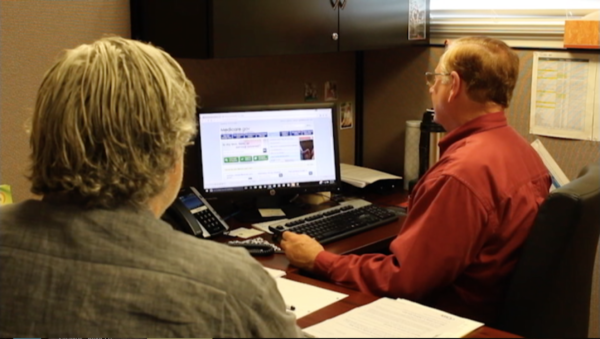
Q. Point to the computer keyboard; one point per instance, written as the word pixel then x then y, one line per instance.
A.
pixel 348 218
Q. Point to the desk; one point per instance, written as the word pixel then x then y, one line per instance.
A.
pixel 369 241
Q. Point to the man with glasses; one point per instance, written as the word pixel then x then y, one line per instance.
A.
pixel 470 212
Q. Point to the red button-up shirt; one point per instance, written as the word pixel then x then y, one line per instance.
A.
pixel 467 217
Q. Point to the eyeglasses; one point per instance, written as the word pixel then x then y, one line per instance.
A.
pixel 430 77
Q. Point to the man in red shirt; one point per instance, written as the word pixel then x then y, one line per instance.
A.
pixel 472 210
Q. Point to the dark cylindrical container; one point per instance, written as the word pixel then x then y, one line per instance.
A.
pixel 431 133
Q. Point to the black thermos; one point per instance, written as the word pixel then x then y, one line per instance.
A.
pixel 431 133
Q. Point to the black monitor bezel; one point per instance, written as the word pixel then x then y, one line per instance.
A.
pixel 274 191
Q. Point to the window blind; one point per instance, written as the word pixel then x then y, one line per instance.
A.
pixel 518 27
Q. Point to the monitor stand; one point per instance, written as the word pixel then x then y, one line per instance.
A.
pixel 249 211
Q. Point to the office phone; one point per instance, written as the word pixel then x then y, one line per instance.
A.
pixel 192 214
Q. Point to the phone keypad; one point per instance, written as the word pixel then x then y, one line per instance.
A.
pixel 209 221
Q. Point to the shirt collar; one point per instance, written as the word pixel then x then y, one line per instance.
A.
pixel 477 125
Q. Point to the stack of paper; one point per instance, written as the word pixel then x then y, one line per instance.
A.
pixel 397 318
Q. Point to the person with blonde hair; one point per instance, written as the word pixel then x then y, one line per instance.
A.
pixel 470 213
pixel 92 257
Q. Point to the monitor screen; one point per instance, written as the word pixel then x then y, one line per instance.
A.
pixel 268 150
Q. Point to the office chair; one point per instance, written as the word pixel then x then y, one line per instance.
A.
pixel 549 292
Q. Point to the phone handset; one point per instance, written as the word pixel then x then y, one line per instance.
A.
pixel 192 214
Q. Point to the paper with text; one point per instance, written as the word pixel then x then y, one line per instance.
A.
pixel 399 318
pixel 564 95
pixel 306 298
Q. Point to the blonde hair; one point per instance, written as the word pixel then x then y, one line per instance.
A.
pixel 111 119
pixel 488 66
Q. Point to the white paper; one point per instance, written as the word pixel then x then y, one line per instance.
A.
pixel 563 95
pixel 275 273
pixel 558 176
pixel 362 176
pixel 244 232
pixel 306 298
pixel 399 318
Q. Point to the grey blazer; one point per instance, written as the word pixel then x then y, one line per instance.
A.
pixel 70 272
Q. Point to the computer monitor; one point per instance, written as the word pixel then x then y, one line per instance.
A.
pixel 265 156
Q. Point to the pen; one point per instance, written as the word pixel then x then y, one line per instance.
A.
pixel 290 307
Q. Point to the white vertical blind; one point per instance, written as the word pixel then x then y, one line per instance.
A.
pixel 524 23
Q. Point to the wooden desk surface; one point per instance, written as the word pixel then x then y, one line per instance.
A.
pixel 369 241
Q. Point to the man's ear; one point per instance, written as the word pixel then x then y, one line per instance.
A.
pixel 455 86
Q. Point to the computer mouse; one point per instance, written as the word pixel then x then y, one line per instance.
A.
pixel 277 231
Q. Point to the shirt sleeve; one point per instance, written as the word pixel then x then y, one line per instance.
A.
pixel 440 237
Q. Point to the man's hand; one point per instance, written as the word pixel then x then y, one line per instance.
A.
pixel 300 249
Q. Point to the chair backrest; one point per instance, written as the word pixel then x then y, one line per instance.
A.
pixel 549 292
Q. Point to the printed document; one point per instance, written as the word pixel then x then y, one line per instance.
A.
pixel 564 95
pixel 397 318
